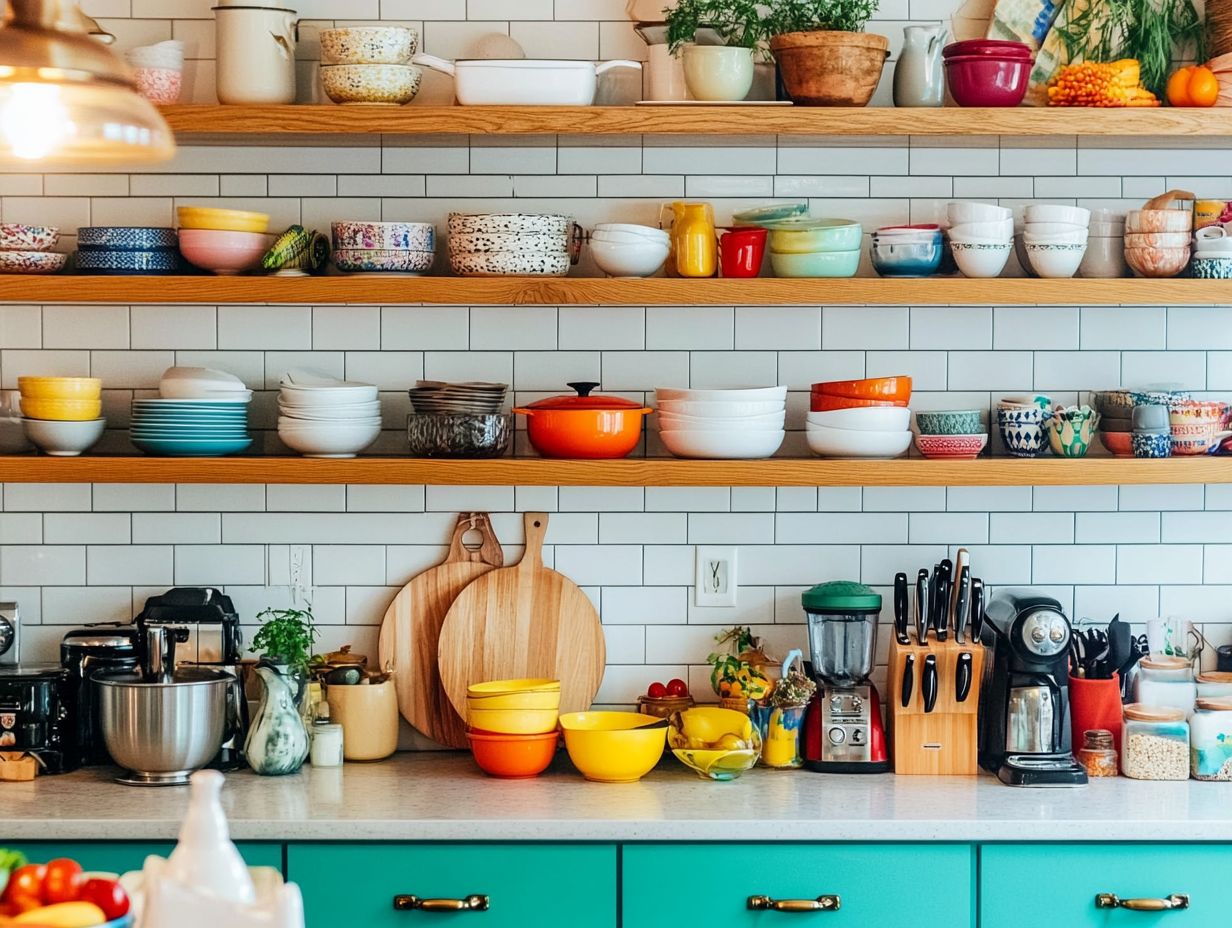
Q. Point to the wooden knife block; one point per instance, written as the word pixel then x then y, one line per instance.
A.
pixel 942 742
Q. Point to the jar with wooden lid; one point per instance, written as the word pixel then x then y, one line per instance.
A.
pixel 1210 738
pixel 1098 754
pixel 1155 743
pixel 1215 684
pixel 1166 682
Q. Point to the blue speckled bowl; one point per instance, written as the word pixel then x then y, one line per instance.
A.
pixel 127 238
pixel 1212 268
pixel 108 261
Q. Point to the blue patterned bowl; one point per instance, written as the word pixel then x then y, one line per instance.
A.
pixel 951 422
pixel 127 238
pixel 1148 445
pixel 1212 268
pixel 107 261
pixel 1024 440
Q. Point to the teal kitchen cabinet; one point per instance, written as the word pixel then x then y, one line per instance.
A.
pixel 524 884
pixel 122 856
pixel 1061 883
pixel 860 885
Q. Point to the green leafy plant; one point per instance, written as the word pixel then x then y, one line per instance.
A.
pixel 287 636
pixel 819 16
pixel 740 23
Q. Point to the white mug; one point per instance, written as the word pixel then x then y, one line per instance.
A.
pixel 1171 636
pixel 256 54
pixel 665 75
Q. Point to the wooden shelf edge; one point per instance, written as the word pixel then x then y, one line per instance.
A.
pixel 191 120
pixel 589 291
pixel 650 472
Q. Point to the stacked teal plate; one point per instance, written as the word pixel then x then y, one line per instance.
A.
pixel 190 428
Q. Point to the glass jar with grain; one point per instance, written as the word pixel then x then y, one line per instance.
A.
pixel 1155 743
pixel 1210 739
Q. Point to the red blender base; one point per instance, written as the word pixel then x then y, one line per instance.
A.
pixel 814 737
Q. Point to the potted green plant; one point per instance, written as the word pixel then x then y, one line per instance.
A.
pixel 717 73
pixel 825 57
pixel 277 741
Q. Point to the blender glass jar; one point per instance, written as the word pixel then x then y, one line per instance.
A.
pixel 842 625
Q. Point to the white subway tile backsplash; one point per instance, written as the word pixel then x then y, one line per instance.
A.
pixel 630 605
pixel 1158 563
pixel 96 528
pixel 131 565
pixel 47 497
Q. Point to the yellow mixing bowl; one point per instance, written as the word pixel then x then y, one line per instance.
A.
pixel 514 694
pixel 512 721
pixel 61 410
pixel 614 747
pixel 223 220
pixel 715 743
pixel 60 388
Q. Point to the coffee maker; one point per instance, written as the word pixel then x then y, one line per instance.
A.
pixel 85 652
pixel 214 640
pixel 1024 713
pixel 33 717
pixel 843 731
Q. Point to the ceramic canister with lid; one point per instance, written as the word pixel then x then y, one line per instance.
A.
pixel 1164 681
pixel 256 54
pixel 1210 740
pixel 1155 743
pixel 1215 684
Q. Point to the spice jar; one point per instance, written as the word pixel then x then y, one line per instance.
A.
pixel 1155 743
pixel 1215 684
pixel 1098 754
pixel 1210 740
pixel 1166 682
pixel 326 741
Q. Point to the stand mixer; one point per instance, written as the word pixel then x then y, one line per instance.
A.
pixel 843 731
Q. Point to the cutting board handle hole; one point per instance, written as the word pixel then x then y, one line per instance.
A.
pixel 472 539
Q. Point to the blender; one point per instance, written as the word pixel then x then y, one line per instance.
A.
pixel 843 731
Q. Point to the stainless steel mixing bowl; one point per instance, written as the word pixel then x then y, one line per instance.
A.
pixel 163 731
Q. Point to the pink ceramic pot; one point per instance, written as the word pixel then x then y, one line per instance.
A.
pixel 223 252
pixel 986 80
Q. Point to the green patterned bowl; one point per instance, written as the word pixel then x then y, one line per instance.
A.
pixel 951 422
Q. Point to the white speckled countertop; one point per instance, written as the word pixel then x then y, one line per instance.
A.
pixel 443 797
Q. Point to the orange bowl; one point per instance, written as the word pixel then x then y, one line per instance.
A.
pixel 824 402
pixel 873 388
pixel 513 757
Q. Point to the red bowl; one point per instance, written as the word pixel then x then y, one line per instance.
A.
pixel 1119 443
pixel 977 80
pixel 513 757
pixel 996 47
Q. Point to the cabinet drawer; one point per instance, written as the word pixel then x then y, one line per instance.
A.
pixel 550 885
pixel 876 885
pixel 1063 881
pixel 122 856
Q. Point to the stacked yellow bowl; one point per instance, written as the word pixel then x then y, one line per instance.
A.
pixel 61 399
pixel 222 220
pixel 511 725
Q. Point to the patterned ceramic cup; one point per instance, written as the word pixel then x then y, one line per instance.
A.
pixel 1023 415
pixel 1023 440
pixel 1197 437
pixel 1035 399
pixel 1070 437
pixel 1147 445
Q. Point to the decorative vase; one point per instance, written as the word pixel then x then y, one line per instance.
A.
pixel 718 73
pixel 830 68
pixel 780 728
pixel 917 75
pixel 277 742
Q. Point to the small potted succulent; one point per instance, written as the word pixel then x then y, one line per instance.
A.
pixel 277 741
pixel 717 73
pixel 825 57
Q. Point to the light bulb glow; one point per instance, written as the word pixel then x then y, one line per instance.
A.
pixel 34 122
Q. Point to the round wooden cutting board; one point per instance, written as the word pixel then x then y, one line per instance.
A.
pixel 524 621
pixel 412 627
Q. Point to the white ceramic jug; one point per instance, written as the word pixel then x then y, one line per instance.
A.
pixel 256 54
pixel 917 76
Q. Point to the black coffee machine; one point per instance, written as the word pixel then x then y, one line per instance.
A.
pixel 1024 708
pixel 214 640
pixel 84 652
pixel 33 717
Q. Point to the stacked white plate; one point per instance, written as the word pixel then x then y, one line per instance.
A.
pixel 323 417
pixel 722 423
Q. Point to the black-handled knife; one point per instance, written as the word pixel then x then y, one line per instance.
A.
pixel 908 680
pixel 921 607
pixel 900 609
pixel 977 609
pixel 928 685
pixel 962 677
pixel 941 620
pixel 960 603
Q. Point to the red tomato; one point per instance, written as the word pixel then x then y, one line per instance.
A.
pixel 108 895
pixel 677 687
pixel 656 691
pixel 62 881
pixel 25 887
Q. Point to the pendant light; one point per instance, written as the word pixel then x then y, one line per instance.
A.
pixel 66 99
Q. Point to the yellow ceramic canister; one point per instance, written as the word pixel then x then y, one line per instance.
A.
pixel 695 245
pixel 369 718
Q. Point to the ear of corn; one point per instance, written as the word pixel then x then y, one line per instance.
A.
pixel 1100 84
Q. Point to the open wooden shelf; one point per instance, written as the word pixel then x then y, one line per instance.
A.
pixel 648 472
pixel 316 119
pixel 582 291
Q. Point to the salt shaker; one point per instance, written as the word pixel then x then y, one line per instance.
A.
pixel 326 741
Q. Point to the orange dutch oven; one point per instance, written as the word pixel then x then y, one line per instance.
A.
pixel 584 426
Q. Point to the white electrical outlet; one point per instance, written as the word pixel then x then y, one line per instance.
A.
pixel 715 576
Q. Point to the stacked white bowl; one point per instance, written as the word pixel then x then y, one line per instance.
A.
pixel 859 432
pixel 622 249
pixel 981 236
pixel 323 417
pixel 1055 238
pixel 1105 255
pixel 722 423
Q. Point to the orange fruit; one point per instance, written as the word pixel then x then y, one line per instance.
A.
pixel 1203 87
pixel 1178 87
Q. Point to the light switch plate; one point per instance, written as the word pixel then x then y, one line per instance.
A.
pixel 714 579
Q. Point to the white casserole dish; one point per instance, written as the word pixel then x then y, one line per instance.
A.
pixel 522 82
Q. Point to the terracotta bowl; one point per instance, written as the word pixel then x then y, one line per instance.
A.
pixel 1157 262
pixel 830 68
pixel 1119 443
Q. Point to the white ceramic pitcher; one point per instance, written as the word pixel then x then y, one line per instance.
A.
pixel 256 54
pixel 917 75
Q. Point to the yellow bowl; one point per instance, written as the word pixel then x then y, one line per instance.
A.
pixel 512 721
pixel 514 694
pixel 223 220
pixel 61 410
pixel 613 747
pixel 717 744
pixel 501 687
pixel 60 388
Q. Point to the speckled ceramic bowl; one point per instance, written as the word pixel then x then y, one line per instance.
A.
pixel 384 84
pixel 383 259
pixel 397 236
pixel 127 238
pixel 1212 268
pixel 530 242
pixel 16 236
pixel 368 45
pixel 112 261
pixel 508 263
pixel 465 223
pixel 31 262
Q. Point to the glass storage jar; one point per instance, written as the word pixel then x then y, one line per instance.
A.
pixel 1155 743
pixel 1210 739
pixel 1166 682
pixel 1097 754
pixel 1215 684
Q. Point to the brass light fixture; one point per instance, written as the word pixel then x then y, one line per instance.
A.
pixel 66 99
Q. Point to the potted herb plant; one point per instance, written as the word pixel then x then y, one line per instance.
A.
pixel 717 73
pixel 277 741
pixel 825 57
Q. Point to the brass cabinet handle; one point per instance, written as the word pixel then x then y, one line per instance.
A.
pixel 474 903
pixel 1167 903
pixel 830 903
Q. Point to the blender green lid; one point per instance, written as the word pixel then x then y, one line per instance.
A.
pixel 841 596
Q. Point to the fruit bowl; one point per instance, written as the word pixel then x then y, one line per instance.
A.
pixel 716 744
